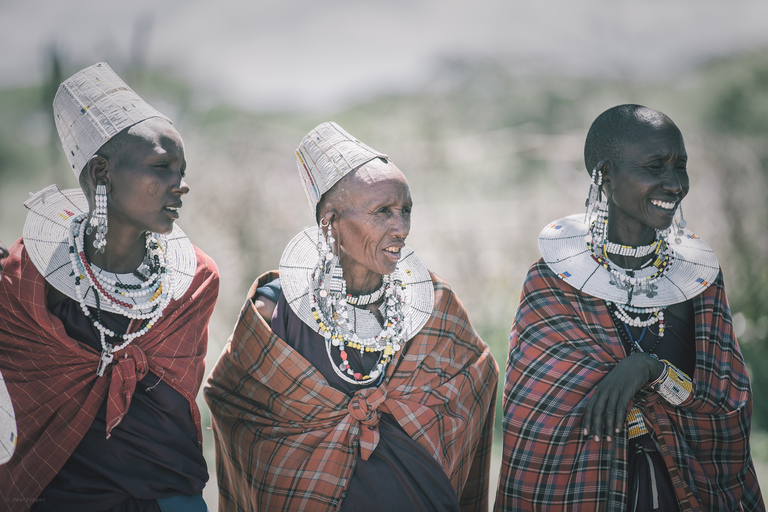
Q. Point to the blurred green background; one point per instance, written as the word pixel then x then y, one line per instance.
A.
pixel 493 151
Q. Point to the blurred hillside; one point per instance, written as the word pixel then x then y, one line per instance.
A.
pixel 491 157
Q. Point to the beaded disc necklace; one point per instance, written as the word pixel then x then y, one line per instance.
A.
pixel 332 310
pixel 597 236
pixel 149 298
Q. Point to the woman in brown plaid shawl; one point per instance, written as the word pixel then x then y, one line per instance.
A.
pixel 384 406
pixel 625 387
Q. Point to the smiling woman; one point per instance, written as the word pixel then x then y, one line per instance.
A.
pixel 103 300
pixel 354 371
pixel 623 368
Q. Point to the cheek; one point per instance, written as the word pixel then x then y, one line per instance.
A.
pixel 152 189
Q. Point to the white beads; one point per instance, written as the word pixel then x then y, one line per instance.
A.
pixel 157 291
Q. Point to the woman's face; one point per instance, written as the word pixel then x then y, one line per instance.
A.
pixel 645 187
pixel 374 221
pixel 147 181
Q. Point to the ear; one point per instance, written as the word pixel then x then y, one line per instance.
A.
pixel 605 168
pixel 97 170
pixel 95 173
pixel 328 217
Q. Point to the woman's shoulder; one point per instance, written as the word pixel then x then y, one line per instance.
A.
pixel 205 263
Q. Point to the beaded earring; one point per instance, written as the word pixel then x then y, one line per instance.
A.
pixel 678 223
pixel 331 278
pixel 594 202
pixel 99 218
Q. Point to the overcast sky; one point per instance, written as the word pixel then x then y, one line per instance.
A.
pixel 309 54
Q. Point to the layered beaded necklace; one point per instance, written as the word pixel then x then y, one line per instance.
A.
pixel 145 301
pixel 597 237
pixel 331 308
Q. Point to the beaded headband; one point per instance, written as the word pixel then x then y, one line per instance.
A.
pixel 46 233
pixel 299 260
pixel 91 107
pixel 694 266
pixel 327 154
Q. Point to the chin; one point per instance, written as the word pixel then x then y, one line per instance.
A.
pixel 164 229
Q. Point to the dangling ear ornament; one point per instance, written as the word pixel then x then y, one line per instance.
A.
pixel 678 223
pixel 99 219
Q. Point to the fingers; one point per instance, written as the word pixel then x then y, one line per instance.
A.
pixel 606 411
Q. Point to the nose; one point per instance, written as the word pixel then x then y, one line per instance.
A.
pixel 181 188
pixel 672 182
pixel 401 225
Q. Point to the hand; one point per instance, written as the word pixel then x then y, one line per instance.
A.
pixel 3 254
pixel 606 410
pixel 265 307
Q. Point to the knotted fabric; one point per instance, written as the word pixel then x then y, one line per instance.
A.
pixel 287 440
pixel 562 344
pixel 364 407
pixel 52 378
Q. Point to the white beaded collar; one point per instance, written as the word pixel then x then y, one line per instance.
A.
pixel 46 232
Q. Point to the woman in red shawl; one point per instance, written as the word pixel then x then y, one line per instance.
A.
pixel 104 305
pixel 354 381
pixel 625 387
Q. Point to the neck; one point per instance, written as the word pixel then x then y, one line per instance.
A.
pixel 122 254
pixel 363 286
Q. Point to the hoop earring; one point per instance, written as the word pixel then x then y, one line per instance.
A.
pixel 99 219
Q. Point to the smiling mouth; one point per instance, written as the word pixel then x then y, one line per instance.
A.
pixel 663 204
pixel 173 210
pixel 393 250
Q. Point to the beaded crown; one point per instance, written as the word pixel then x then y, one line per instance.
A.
pixel 327 154
pixel 91 107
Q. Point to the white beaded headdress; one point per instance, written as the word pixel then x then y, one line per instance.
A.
pixel 327 154
pixel 91 107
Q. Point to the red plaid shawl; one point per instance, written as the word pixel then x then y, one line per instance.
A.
pixel 563 342
pixel 286 440
pixel 52 377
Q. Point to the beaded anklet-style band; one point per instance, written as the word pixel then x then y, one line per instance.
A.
pixel 673 385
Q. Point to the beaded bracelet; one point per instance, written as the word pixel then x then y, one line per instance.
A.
pixel 673 385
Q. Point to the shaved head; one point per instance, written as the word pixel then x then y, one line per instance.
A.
pixel 614 128
pixel 114 150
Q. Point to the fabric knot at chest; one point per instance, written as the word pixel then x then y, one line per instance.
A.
pixel 131 365
pixel 364 407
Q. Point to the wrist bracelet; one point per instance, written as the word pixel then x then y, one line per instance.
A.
pixel 674 386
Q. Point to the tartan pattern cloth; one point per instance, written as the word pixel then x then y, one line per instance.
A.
pixel 52 378
pixel 563 342
pixel 287 440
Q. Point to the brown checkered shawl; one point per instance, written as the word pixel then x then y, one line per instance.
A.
pixel 286 440
pixel 52 377
pixel 563 342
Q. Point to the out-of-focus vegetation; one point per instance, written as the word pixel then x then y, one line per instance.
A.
pixel 491 157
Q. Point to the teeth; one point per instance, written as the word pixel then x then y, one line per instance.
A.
pixel 392 249
pixel 662 204
pixel 172 208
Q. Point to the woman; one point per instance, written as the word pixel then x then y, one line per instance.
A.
pixel 354 381
pixel 625 387
pixel 104 305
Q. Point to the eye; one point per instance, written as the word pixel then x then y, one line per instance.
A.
pixel 655 165
pixel 183 172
